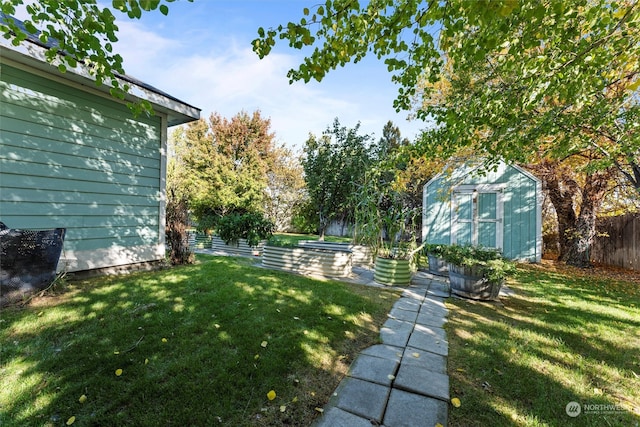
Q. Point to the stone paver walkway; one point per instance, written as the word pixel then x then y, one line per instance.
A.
pixel 403 381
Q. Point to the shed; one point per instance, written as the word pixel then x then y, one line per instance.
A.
pixel 72 156
pixel 499 208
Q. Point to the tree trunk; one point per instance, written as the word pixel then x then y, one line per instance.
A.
pixel 580 237
pixel 176 231
pixel 562 192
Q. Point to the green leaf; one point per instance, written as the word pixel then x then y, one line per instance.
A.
pixel 164 9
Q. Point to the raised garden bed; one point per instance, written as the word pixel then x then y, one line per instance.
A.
pixel 308 260
pixel 469 282
pixel 437 265
pixel 241 248
pixel 360 255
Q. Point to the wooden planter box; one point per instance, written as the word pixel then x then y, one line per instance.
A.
pixel 306 260
pixel 468 282
pixel 392 271
pixel 438 266
pixel 241 248
pixel 360 255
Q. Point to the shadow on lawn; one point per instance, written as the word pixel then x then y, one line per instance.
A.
pixel 197 345
pixel 520 362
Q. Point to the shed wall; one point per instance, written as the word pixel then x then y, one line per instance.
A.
pixel 76 160
pixel 521 209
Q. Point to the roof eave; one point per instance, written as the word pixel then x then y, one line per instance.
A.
pixel 33 55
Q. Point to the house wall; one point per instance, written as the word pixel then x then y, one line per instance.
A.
pixel 72 157
pixel 521 209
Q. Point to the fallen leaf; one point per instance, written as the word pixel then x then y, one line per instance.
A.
pixel 319 410
pixel 82 399
pixel 263 344
pixel 164 340
pixel 460 370
pixel 416 355
pixel 391 377
pixel 271 395
pixel 283 408
pixel 118 372
pixel 146 361
pixel 438 425
pixel 116 352
pixel 456 402
pixel 295 399
pixel 71 420
pixel 256 357
pixel 41 313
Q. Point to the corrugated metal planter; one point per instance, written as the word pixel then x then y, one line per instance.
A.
pixel 438 266
pixel 305 260
pixel 360 255
pixel 392 271
pixel 241 248
pixel 468 282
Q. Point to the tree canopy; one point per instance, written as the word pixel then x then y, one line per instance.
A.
pixel 520 72
pixel 79 32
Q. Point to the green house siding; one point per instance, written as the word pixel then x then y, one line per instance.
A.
pixel 519 191
pixel 70 158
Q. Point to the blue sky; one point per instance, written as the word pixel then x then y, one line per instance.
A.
pixel 201 53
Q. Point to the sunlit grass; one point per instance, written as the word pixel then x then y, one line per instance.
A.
pixel 559 339
pixel 184 346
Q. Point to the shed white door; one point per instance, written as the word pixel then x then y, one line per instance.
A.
pixel 477 216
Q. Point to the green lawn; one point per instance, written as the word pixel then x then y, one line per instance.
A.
pixel 561 338
pixel 197 345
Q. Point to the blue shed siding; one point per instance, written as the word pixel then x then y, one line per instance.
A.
pixel 69 158
pixel 520 208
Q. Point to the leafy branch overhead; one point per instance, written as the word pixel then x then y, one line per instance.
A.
pixel 79 32
pixel 519 74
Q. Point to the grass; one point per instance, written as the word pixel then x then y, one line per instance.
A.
pixel 561 338
pixel 196 345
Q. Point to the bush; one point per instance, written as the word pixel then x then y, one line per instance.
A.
pixel 253 227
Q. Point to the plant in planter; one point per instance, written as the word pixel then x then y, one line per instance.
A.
pixel 435 256
pixel 386 224
pixel 476 272
pixel 252 227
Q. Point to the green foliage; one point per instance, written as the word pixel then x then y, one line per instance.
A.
pixel 493 266
pixel 253 227
pixel 334 165
pixel 222 165
pixel 521 77
pixel 84 33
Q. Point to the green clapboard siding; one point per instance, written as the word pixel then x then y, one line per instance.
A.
pixel 72 159
pixel 520 210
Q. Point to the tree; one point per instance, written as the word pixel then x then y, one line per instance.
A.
pixel 221 165
pixel 83 32
pixel 285 190
pixel 333 165
pixel 517 76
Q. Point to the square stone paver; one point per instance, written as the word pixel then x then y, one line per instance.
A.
pixel 384 351
pixel 362 398
pixel 336 417
pixel 406 315
pixel 396 332
pixel 374 369
pixel 429 338
pixel 411 410
pixel 409 304
pixel 425 360
pixel 428 318
pixel 422 381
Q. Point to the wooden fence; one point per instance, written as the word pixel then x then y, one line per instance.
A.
pixel 618 241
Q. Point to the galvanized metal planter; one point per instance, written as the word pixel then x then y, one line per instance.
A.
pixel 438 266
pixel 392 271
pixel 360 255
pixel 306 260
pixel 468 282
pixel 241 248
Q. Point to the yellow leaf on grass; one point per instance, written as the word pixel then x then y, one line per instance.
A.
pixel 295 399
pixel 256 357
pixel 283 408
pixel 146 361
pixel 164 340
pixel 118 372
pixel 319 410
pixel 456 402
pixel 116 352
pixel 263 344
pixel 271 395
pixel 71 421
pixel 82 399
